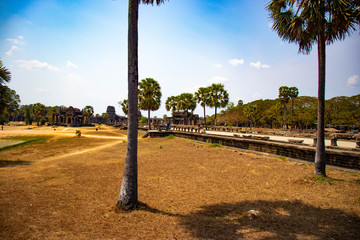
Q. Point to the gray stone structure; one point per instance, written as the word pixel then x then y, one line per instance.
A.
pixel 183 118
pixel 70 116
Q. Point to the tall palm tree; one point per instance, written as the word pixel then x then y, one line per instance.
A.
pixel 306 22
pixel 128 196
pixel 185 102
pixel 202 97
pixel 149 96
pixel 284 96
pixel 293 93
pixel 124 106
pixel 171 103
pixel 219 97
pixel 88 112
pixel 39 111
pixel 5 75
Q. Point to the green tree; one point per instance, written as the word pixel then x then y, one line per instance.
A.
pixel 5 92
pixel 149 96
pixel 124 106
pixel 171 103
pixel 218 97
pixel 128 196
pixel 39 110
pixel 306 22
pixel 28 116
pixel 202 97
pixel 293 93
pixel 88 111
pixel 249 112
pixel 284 96
pixel 185 102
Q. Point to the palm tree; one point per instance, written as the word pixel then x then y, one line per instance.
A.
pixel 202 97
pixel 218 97
pixel 128 196
pixel 185 102
pixel 39 110
pixel 5 75
pixel 284 96
pixel 149 96
pixel 306 22
pixel 88 112
pixel 124 106
pixel 171 103
pixel 293 93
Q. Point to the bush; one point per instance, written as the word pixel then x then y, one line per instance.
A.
pixel 78 133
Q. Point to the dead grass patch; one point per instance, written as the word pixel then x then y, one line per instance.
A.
pixel 186 190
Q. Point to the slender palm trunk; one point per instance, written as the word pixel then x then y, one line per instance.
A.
pixel 320 159
pixel 149 120
pixel 215 116
pixel 204 115
pixel 128 196
pixel 284 118
pixel 292 114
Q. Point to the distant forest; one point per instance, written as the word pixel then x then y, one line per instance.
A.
pixel 268 113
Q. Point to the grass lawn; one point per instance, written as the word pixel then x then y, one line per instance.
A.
pixel 187 190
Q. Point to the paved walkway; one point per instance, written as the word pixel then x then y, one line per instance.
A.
pixel 307 141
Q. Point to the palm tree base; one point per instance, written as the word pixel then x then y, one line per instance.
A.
pixel 121 207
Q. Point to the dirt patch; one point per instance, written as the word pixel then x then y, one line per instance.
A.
pixel 188 190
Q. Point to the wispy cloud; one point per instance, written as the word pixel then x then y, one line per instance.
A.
pixel 74 80
pixel 71 65
pixel 217 65
pixel 236 62
pixel 259 65
pixel 218 79
pixel 11 51
pixel 36 64
pixel 353 81
pixel 16 41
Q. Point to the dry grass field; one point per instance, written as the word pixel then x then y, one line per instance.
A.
pixel 59 186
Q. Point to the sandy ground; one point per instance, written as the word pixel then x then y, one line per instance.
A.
pixel 188 191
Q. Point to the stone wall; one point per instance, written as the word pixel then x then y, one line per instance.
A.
pixel 342 158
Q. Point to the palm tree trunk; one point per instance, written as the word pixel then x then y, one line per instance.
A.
pixel 320 159
pixel 204 115
pixel 292 114
pixel 284 118
pixel 149 119
pixel 215 116
pixel 128 196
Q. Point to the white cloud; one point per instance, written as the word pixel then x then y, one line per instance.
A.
pixel 235 62
pixel 218 79
pixel 16 41
pixel 11 51
pixel 36 64
pixel 353 81
pixel 259 65
pixel 218 65
pixel 71 65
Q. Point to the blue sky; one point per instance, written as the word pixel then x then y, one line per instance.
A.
pixel 63 52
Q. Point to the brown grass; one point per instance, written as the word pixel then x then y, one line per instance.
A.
pixel 187 190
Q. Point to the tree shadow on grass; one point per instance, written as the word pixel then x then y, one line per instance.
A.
pixel 267 220
pixel 272 220
pixel 5 163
